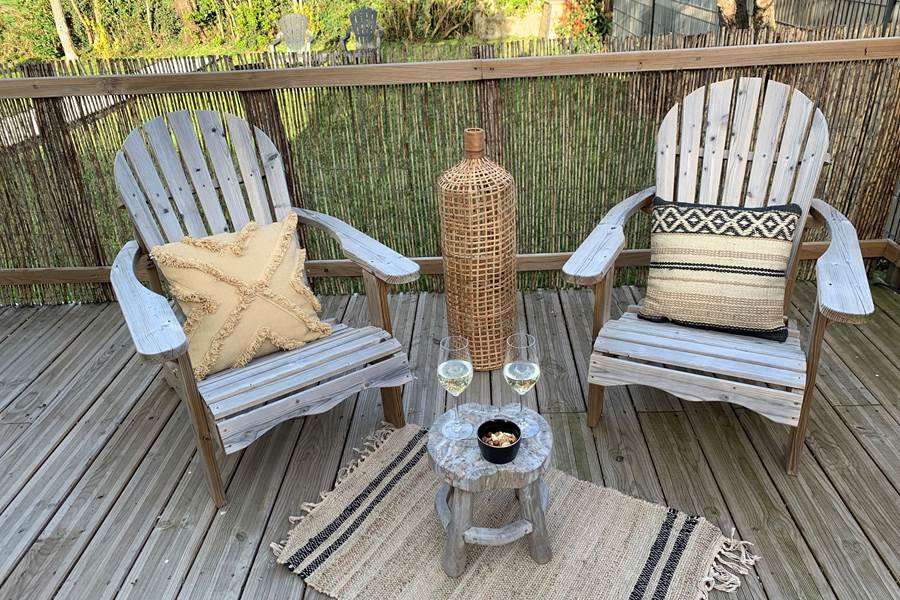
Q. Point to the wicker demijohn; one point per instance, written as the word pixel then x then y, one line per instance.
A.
pixel 478 238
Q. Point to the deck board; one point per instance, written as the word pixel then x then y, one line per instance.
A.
pixel 107 502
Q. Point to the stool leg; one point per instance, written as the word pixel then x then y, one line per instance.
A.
pixel 532 510
pixel 460 520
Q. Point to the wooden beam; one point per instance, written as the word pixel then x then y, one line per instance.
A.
pixel 429 265
pixel 457 70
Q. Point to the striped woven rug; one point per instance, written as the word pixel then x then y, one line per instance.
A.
pixel 376 536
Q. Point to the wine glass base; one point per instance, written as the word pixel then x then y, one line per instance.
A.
pixel 527 426
pixel 458 430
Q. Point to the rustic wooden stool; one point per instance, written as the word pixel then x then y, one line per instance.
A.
pixel 465 472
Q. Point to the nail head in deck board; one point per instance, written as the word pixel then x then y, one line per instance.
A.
pixel 71 363
pixel 159 566
pixel 871 366
pixel 223 562
pixel 557 390
pixel 842 550
pixel 29 510
pixel 51 427
pixel 687 481
pixel 789 569
pixel 869 495
pixel 838 382
pixel 424 397
pixel 72 534
pixel 878 433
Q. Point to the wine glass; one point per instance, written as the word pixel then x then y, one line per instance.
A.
pixel 454 373
pixel 521 371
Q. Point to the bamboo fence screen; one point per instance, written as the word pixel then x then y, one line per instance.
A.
pixel 371 155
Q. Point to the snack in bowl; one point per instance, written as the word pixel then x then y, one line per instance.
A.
pixel 499 440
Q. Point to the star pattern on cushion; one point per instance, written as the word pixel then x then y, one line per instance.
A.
pixel 248 292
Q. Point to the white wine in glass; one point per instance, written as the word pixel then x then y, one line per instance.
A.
pixel 521 370
pixel 454 373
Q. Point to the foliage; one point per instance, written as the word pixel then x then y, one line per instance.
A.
pixel 584 20
pixel 108 28
pixel 426 20
pixel 516 7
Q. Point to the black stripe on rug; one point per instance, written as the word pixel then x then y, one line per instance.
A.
pixel 656 550
pixel 762 272
pixel 665 578
pixel 329 530
pixel 321 558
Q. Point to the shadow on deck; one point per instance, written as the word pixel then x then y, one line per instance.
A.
pixel 101 495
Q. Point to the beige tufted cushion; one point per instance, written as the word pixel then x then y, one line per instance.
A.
pixel 243 294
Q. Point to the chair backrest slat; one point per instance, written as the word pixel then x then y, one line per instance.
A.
pixel 795 128
pixel 223 165
pixel 192 155
pixel 689 155
pixel 245 150
pixel 136 203
pixel 666 141
pixel 742 129
pixel 161 141
pixel 273 167
pixel 766 143
pixel 154 190
pixel 151 173
pixel 719 106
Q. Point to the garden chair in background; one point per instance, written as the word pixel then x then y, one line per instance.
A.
pixel 365 29
pixel 293 30
pixel 163 176
pixel 771 378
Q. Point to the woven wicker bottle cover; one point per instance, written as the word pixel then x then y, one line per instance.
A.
pixel 478 239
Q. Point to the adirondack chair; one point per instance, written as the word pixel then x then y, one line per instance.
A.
pixel 166 185
pixel 293 30
pixel 774 379
pixel 365 28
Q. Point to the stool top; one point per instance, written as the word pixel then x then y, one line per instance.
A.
pixel 459 462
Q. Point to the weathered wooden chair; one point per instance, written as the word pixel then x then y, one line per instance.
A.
pixel 293 30
pixel 365 29
pixel 774 379
pixel 164 179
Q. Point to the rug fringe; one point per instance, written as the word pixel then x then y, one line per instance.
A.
pixel 731 561
pixel 370 445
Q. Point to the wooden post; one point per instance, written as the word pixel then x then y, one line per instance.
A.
pixel 380 316
pixel 602 308
pixel 197 410
pixel 69 199
pixel 813 352
pixel 490 102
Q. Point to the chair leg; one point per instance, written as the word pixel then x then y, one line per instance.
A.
pixel 813 351
pixel 202 436
pixel 595 404
pixel 602 307
pixel 392 404
pixel 380 316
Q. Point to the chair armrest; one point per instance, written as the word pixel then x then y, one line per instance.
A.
pixel 843 287
pixel 597 254
pixel 344 39
pixel 276 41
pixel 155 329
pixel 370 254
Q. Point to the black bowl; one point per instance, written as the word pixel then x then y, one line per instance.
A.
pixel 493 454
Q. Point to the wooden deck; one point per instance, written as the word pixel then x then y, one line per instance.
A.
pixel 101 495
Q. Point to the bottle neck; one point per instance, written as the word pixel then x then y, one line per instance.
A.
pixel 473 143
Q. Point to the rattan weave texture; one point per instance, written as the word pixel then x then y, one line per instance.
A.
pixel 477 200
